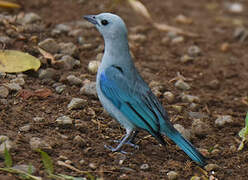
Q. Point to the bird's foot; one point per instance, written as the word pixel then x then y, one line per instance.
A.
pixel 128 143
pixel 114 149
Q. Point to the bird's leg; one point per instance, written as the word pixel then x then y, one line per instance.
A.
pixel 130 140
pixel 123 141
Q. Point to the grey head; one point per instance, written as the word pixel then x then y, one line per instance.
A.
pixel 111 26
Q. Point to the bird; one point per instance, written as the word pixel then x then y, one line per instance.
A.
pixel 125 95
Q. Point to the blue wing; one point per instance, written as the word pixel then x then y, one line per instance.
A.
pixel 134 99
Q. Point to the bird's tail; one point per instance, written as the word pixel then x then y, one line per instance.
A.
pixel 188 148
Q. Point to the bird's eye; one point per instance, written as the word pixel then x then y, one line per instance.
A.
pixel 104 22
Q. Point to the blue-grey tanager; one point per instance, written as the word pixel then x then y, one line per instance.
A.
pixel 125 95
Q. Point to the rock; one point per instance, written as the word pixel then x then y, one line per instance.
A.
pixel 60 89
pixel 211 167
pixel 67 62
pixel 73 80
pixel 186 58
pixel 82 161
pixel 48 73
pixel 76 103
pixel 177 108
pixel 5 142
pixel 18 80
pixel 25 128
pixel 172 35
pixel 197 115
pixel 240 33
pixel 194 51
pixel 235 7
pixel 93 66
pixel 92 166
pixel 223 120
pixel 76 33
pixel 29 18
pixel 99 57
pixel 172 175
pixel 13 86
pixel 139 38
pixel 64 120
pixel 62 28
pixel 89 88
pixel 3 75
pixel 193 106
pixel 38 143
pixel 79 140
pixel 214 84
pixel 180 84
pixel 199 128
pixel 183 131
pixel 190 98
pixel 169 97
pixel 183 19
pixel 38 119
pixel 6 40
pixel 26 168
pixel 68 49
pixel 4 92
pixel 144 167
pixel 49 45
pixel 178 39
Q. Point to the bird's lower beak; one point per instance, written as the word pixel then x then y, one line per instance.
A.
pixel 91 18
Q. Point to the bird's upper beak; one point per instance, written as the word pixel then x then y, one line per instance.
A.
pixel 91 18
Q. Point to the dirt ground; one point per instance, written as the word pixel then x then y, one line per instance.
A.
pixel 156 60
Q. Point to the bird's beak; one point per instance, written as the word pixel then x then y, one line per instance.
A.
pixel 92 19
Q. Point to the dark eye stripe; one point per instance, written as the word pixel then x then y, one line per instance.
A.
pixel 104 22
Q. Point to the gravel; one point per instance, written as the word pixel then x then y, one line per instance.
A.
pixel 60 89
pixel 194 51
pixel 64 120
pixel 73 80
pixel 172 175
pixel 89 88
pixel 5 142
pixel 13 86
pixel 199 128
pixel 180 84
pixel 49 45
pixel 38 143
pixel 29 18
pixel 76 103
pixel 93 66
pixel 48 73
pixel 144 167
pixel 185 132
pixel 4 92
pixel 169 97
pixel 18 80
pixel 68 49
pixel 221 121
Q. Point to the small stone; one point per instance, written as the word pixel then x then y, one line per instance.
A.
pixel 144 167
pixel 38 119
pixel 3 138
pixel 139 38
pixel 13 86
pixel 165 40
pixel 73 80
pixel 215 151
pixel 177 108
pixel 223 120
pixel 233 148
pixel 49 45
pixel 25 128
pixel 68 162
pixel 235 7
pixel 178 39
pixel 76 103
pixel 64 120
pixel 180 84
pixel 38 143
pixel 172 175
pixel 93 66
pixel 240 33
pixel 29 18
pixel 183 19
pixel 190 98
pixel 48 73
pixel 172 35
pixel 26 168
pixel 67 62
pixel 79 140
pixel 214 84
pixel 193 106
pixel 211 167
pixel 89 88
pixel 82 161
pixel 185 132
pixel 224 47
pixel 18 80
pixel 92 166
pixel 60 89
pixel 6 40
pixel 169 97
pixel 62 28
pixel 75 33
pixel 194 51
pixel 186 58
pixel 99 56
pixel 197 115
pixel 4 92
pixel 68 49
pixel 199 128
pixel 5 143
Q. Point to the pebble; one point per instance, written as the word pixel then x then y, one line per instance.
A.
pixel 82 161
pixel 68 162
pixel 177 108
pixel 199 127
pixel 172 35
pixel 178 39
pixel 5 142
pixel 223 120
pixel 144 167
pixel 214 84
pixel 38 143
pixel 18 80
pixel 89 88
pixel 49 45
pixel 68 49
pixel 73 80
pixel 190 98
pixel 139 38
pixel 197 115
pixel 186 58
pixel 169 97
pixel 75 33
pixel 25 128
pixel 193 106
pixel 183 19
pixel 67 62
pixel 6 40
pixel 4 92
pixel 61 28
pixel 185 132
pixel 172 175
pixel 92 166
pixel 13 86
pixel 26 168
pixel 211 167
pixel 194 51
pixel 79 140
pixel 48 73
pixel 29 18
pixel 99 56
pixel 38 119
pixel 60 89
pixel 3 74
pixel 240 33
pixel 93 66
pixel 180 84
pixel 235 7
pixel 76 103
pixel 64 120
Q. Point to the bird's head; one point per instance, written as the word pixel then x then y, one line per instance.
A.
pixel 109 25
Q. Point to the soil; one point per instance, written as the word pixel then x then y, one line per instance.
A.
pixel 156 61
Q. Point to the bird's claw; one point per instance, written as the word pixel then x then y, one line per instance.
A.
pixel 114 149
pixel 128 143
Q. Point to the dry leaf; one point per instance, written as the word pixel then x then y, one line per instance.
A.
pixel 42 93
pixel 47 55
pixel 6 4
pixel 140 8
pixel 12 61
